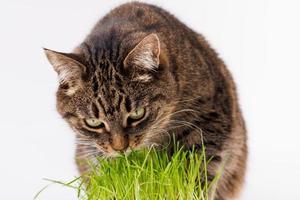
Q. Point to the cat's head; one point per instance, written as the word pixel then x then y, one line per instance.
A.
pixel 117 104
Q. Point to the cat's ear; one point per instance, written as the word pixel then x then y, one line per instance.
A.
pixel 145 55
pixel 69 70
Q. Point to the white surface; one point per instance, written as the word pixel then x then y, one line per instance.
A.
pixel 258 39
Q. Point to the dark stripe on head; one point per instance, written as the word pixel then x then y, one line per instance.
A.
pixel 128 104
pixel 88 53
pixel 110 110
pixel 118 78
pixel 95 86
pixel 102 105
pixel 121 90
pixel 95 110
pixel 100 79
pixel 113 93
pixel 120 99
pixel 110 73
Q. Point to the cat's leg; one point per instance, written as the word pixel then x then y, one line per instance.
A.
pixel 231 165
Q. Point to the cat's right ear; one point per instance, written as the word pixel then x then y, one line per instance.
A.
pixel 69 70
pixel 145 59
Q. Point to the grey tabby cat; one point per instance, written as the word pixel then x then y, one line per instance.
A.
pixel 142 77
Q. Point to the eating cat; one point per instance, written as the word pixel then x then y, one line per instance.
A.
pixel 141 78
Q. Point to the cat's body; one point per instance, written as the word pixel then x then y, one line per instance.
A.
pixel 139 58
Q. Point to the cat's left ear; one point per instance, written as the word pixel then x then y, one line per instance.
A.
pixel 144 56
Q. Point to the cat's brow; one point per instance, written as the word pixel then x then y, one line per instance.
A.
pixel 111 103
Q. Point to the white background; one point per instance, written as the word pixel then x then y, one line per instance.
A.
pixel 258 39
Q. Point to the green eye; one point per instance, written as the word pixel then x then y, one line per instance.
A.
pixel 94 123
pixel 137 114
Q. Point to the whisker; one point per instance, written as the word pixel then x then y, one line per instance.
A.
pixel 189 124
pixel 85 156
pixel 186 100
pixel 87 152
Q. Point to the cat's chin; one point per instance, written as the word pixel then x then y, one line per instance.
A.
pixel 114 154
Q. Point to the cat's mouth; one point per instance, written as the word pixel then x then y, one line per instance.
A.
pixel 114 153
pixel 108 150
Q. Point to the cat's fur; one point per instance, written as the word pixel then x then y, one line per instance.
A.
pixel 139 55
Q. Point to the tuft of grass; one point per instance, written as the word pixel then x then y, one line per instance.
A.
pixel 147 174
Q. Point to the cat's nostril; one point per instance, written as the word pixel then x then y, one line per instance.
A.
pixel 119 142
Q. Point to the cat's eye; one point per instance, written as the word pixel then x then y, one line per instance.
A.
pixel 94 123
pixel 137 114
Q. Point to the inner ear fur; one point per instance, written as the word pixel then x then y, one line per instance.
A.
pixel 146 58
pixel 145 55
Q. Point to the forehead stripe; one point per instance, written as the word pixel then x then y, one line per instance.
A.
pixel 120 99
pixel 128 104
pixel 102 105
pixel 95 110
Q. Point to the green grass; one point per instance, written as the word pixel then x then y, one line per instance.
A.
pixel 147 174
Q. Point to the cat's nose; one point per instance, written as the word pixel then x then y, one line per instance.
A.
pixel 119 142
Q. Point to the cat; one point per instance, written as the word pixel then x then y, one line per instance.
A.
pixel 141 77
